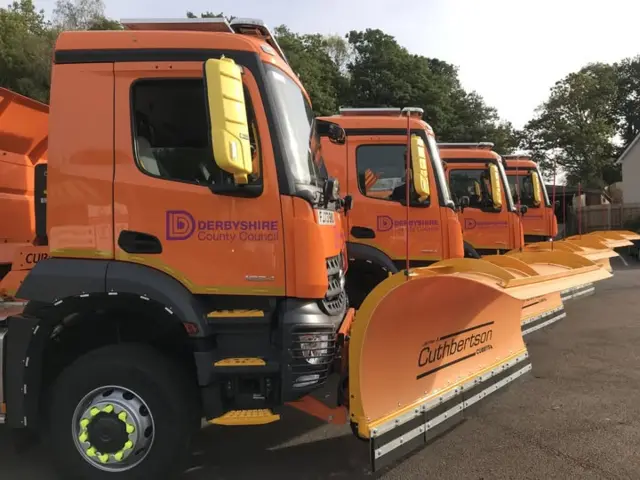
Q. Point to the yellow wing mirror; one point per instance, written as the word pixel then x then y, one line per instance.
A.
pixel 419 166
pixel 535 183
pixel 228 118
pixel 496 187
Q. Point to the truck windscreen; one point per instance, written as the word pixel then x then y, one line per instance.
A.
pixel 295 117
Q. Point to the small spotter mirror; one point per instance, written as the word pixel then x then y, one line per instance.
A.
pixel 419 166
pixel 496 189
pixel 228 118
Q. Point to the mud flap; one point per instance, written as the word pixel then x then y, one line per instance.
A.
pixel 424 349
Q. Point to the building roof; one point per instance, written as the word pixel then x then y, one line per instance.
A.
pixel 627 150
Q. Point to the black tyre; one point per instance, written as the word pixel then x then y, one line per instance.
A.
pixel 361 279
pixel 470 252
pixel 122 412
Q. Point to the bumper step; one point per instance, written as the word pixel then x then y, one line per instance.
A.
pixel 246 417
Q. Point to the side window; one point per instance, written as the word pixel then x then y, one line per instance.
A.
pixel 522 186
pixel 170 132
pixel 475 184
pixel 381 172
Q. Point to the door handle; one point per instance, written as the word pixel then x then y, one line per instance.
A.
pixel 362 232
pixel 139 242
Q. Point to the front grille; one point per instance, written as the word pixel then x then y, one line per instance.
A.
pixel 335 300
pixel 313 350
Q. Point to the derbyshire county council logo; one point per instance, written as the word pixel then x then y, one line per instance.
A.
pixel 385 223
pixel 180 225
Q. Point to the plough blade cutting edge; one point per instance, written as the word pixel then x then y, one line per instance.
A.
pixel 419 357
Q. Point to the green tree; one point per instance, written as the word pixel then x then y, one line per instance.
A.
pixel 628 100
pixel 26 44
pixel 385 74
pixel 309 58
pixel 82 15
pixel 210 15
pixel 575 127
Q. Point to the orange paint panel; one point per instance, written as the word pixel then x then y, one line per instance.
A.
pixel 212 243
pixel 79 212
pixel 387 218
pixel 312 245
pixel 23 143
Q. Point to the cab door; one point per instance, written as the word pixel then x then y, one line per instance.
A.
pixel 166 217
pixel 483 226
pixel 377 166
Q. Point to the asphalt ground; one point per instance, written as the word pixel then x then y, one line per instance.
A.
pixel 576 416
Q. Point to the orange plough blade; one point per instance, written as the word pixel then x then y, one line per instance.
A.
pixel 537 312
pixel 574 274
pixel 628 234
pixel 424 349
pixel 611 238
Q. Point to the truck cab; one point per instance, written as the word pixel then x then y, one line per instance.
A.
pixel 478 184
pixel 372 165
pixel 195 249
pixel 527 187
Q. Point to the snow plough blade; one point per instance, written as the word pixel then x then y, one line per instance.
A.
pixel 611 238
pixel 419 357
pixel 628 234
pixel 575 275
pixel 537 312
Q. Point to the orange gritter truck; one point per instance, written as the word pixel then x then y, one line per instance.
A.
pixel 540 223
pixel 194 266
pixel 490 228
pixel 371 164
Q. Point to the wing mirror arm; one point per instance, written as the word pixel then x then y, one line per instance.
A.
pixel 464 203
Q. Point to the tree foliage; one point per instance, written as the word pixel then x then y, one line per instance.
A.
pixel 26 42
pixel 575 127
pixel 82 15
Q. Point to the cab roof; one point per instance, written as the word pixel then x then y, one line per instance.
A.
pixel 377 119
pixel 189 37
pixel 469 152
pixel 519 161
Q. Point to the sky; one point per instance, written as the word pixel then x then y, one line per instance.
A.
pixel 510 51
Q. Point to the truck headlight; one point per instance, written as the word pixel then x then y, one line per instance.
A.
pixel 314 348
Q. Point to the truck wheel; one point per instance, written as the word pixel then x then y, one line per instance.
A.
pixel 122 412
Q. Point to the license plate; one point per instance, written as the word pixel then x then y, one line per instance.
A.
pixel 326 217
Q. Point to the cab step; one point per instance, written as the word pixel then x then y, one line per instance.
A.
pixel 238 319
pixel 260 416
pixel 237 365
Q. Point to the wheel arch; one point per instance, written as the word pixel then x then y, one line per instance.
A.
pixel 56 280
pixel 102 290
pixel 369 254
